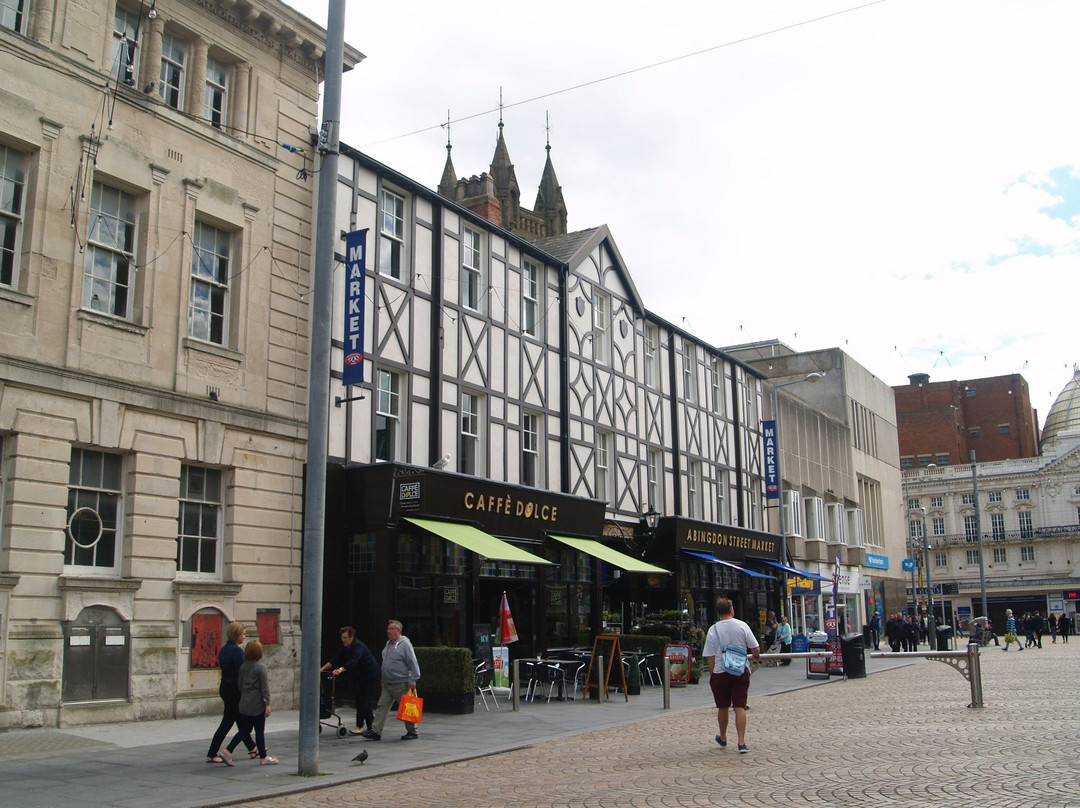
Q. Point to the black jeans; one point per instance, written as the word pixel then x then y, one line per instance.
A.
pixel 364 713
pixel 244 725
pixel 230 695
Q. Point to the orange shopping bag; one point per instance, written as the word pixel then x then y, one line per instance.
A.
pixel 410 707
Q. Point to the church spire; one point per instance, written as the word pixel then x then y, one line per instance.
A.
pixel 448 183
pixel 502 172
pixel 550 205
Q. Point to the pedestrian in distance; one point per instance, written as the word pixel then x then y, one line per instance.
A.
pixel 730 689
pixel 1010 631
pixel 783 634
pixel 400 670
pixel 1051 623
pixel 911 634
pixel 875 629
pixel 254 704
pixel 355 661
pixel 230 658
pixel 1063 627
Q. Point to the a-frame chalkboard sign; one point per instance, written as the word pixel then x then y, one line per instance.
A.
pixel 608 648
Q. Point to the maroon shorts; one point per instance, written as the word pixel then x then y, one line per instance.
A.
pixel 730 691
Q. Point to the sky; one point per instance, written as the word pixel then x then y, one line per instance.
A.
pixel 899 178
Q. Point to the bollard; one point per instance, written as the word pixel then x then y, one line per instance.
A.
pixel 601 692
pixel 667 683
pixel 515 684
pixel 976 675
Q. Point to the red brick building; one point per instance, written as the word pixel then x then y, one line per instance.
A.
pixel 942 422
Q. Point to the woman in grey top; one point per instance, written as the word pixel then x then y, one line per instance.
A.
pixel 254 704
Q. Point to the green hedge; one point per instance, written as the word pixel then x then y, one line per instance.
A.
pixel 445 670
pixel 447 680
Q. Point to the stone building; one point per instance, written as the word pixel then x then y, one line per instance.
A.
pixel 154 256
pixel 1025 511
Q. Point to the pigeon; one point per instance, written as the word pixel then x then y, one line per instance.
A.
pixel 361 757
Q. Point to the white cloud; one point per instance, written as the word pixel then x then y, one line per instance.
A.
pixel 876 180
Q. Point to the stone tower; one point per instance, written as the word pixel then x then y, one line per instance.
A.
pixel 496 196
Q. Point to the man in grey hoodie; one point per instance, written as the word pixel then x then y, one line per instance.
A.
pixel 400 671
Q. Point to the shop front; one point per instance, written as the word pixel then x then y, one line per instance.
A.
pixel 713 561
pixel 437 551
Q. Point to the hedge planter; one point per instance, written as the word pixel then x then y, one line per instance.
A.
pixel 447 680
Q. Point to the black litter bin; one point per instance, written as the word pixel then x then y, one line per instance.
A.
pixel 866 638
pixel 854 655
pixel 944 634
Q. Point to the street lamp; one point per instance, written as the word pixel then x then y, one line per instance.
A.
pixel 978 533
pixel 813 378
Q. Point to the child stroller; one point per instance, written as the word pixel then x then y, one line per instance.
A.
pixel 326 706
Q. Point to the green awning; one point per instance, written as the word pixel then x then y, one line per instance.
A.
pixel 479 542
pixel 613 557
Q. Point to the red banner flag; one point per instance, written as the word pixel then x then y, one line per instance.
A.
pixel 507 631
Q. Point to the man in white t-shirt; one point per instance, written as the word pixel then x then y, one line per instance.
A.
pixel 728 690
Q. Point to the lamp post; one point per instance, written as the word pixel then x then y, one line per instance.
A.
pixel 931 623
pixel 978 533
pixel 812 378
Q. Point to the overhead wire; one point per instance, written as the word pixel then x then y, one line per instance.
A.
pixel 502 107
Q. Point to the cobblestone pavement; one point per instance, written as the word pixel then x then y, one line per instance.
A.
pixel 903 737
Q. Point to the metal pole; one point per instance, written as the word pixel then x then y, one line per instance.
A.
pixel 931 628
pixel 978 533
pixel 515 684
pixel 786 606
pixel 914 591
pixel 667 683
pixel 976 675
pixel 319 399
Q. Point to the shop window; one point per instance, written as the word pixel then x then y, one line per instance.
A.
pixel 362 553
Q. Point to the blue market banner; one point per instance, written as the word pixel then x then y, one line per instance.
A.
pixel 772 465
pixel 352 370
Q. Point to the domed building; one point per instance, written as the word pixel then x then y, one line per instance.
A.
pixel 1024 516
pixel 1064 415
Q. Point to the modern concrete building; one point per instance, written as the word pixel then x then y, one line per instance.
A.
pixel 1024 516
pixel 840 475
pixel 154 258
